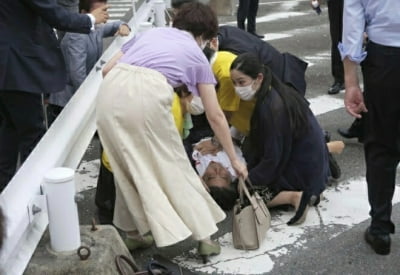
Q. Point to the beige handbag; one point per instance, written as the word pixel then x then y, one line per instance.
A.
pixel 251 219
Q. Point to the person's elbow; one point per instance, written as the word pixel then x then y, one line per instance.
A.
pixel 215 116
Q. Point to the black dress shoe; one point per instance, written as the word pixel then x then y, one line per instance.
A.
pixel 354 131
pixel 379 243
pixel 335 88
pixel 258 35
pixel 347 133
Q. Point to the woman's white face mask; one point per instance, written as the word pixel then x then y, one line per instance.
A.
pixel 195 106
pixel 246 92
pixel 202 43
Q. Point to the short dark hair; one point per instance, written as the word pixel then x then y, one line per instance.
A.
pixel 198 19
pixel 225 197
pixel 87 4
pixel 176 4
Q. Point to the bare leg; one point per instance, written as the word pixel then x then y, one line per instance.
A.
pixel 335 147
pixel 286 197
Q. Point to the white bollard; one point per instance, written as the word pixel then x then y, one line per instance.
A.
pixel 159 6
pixel 144 26
pixel 63 212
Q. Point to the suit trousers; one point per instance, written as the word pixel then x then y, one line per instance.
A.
pixel 21 127
pixel 381 70
pixel 335 13
pixel 247 10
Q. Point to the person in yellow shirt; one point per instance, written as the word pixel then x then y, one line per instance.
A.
pixel 237 111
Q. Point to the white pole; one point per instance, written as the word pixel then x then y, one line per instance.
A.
pixel 63 213
pixel 144 26
pixel 168 4
pixel 159 6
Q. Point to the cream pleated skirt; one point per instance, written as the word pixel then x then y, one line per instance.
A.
pixel 157 189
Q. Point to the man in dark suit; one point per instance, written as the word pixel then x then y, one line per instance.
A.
pixel 248 10
pixel 31 64
pixel 287 67
pixel 335 13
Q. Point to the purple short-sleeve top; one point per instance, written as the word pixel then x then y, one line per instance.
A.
pixel 172 52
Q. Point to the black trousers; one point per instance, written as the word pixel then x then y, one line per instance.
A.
pixel 21 127
pixel 381 70
pixel 335 13
pixel 247 10
pixel 52 113
pixel 105 193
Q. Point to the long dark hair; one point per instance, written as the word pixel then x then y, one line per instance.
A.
pixel 295 105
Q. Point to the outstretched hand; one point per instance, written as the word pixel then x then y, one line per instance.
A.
pixel 207 147
pixel 123 30
pixel 354 101
pixel 240 168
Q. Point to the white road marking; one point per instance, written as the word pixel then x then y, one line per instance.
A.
pixel 116 14
pixel 272 17
pixel 275 36
pixel 118 9
pixel 294 3
pixel 325 103
pixel 345 205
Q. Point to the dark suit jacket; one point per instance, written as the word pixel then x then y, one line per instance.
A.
pixel 287 67
pixel 281 161
pixel 30 56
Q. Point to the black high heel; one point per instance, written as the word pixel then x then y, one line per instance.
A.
pixel 301 212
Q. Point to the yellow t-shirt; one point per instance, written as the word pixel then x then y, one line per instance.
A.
pixel 227 97
pixel 177 113
pixel 178 118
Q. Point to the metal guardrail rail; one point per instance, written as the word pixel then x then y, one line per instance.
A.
pixel 64 144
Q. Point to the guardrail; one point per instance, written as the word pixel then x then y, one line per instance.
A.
pixel 64 144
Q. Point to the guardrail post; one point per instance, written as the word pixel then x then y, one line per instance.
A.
pixel 62 209
pixel 159 7
pixel 144 26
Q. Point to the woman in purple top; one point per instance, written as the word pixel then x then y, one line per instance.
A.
pixel 157 190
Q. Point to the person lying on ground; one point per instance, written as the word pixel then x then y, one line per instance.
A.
pixel 219 178
pixel 285 149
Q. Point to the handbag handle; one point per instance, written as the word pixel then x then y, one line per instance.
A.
pixel 243 188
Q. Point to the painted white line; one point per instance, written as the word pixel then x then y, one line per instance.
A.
pixel 325 103
pixel 294 32
pixel 346 205
pixel 282 2
pixel 275 36
pixel 120 2
pixel 278 15
pixel 116 14
pixel 110 10
pixel 272 17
